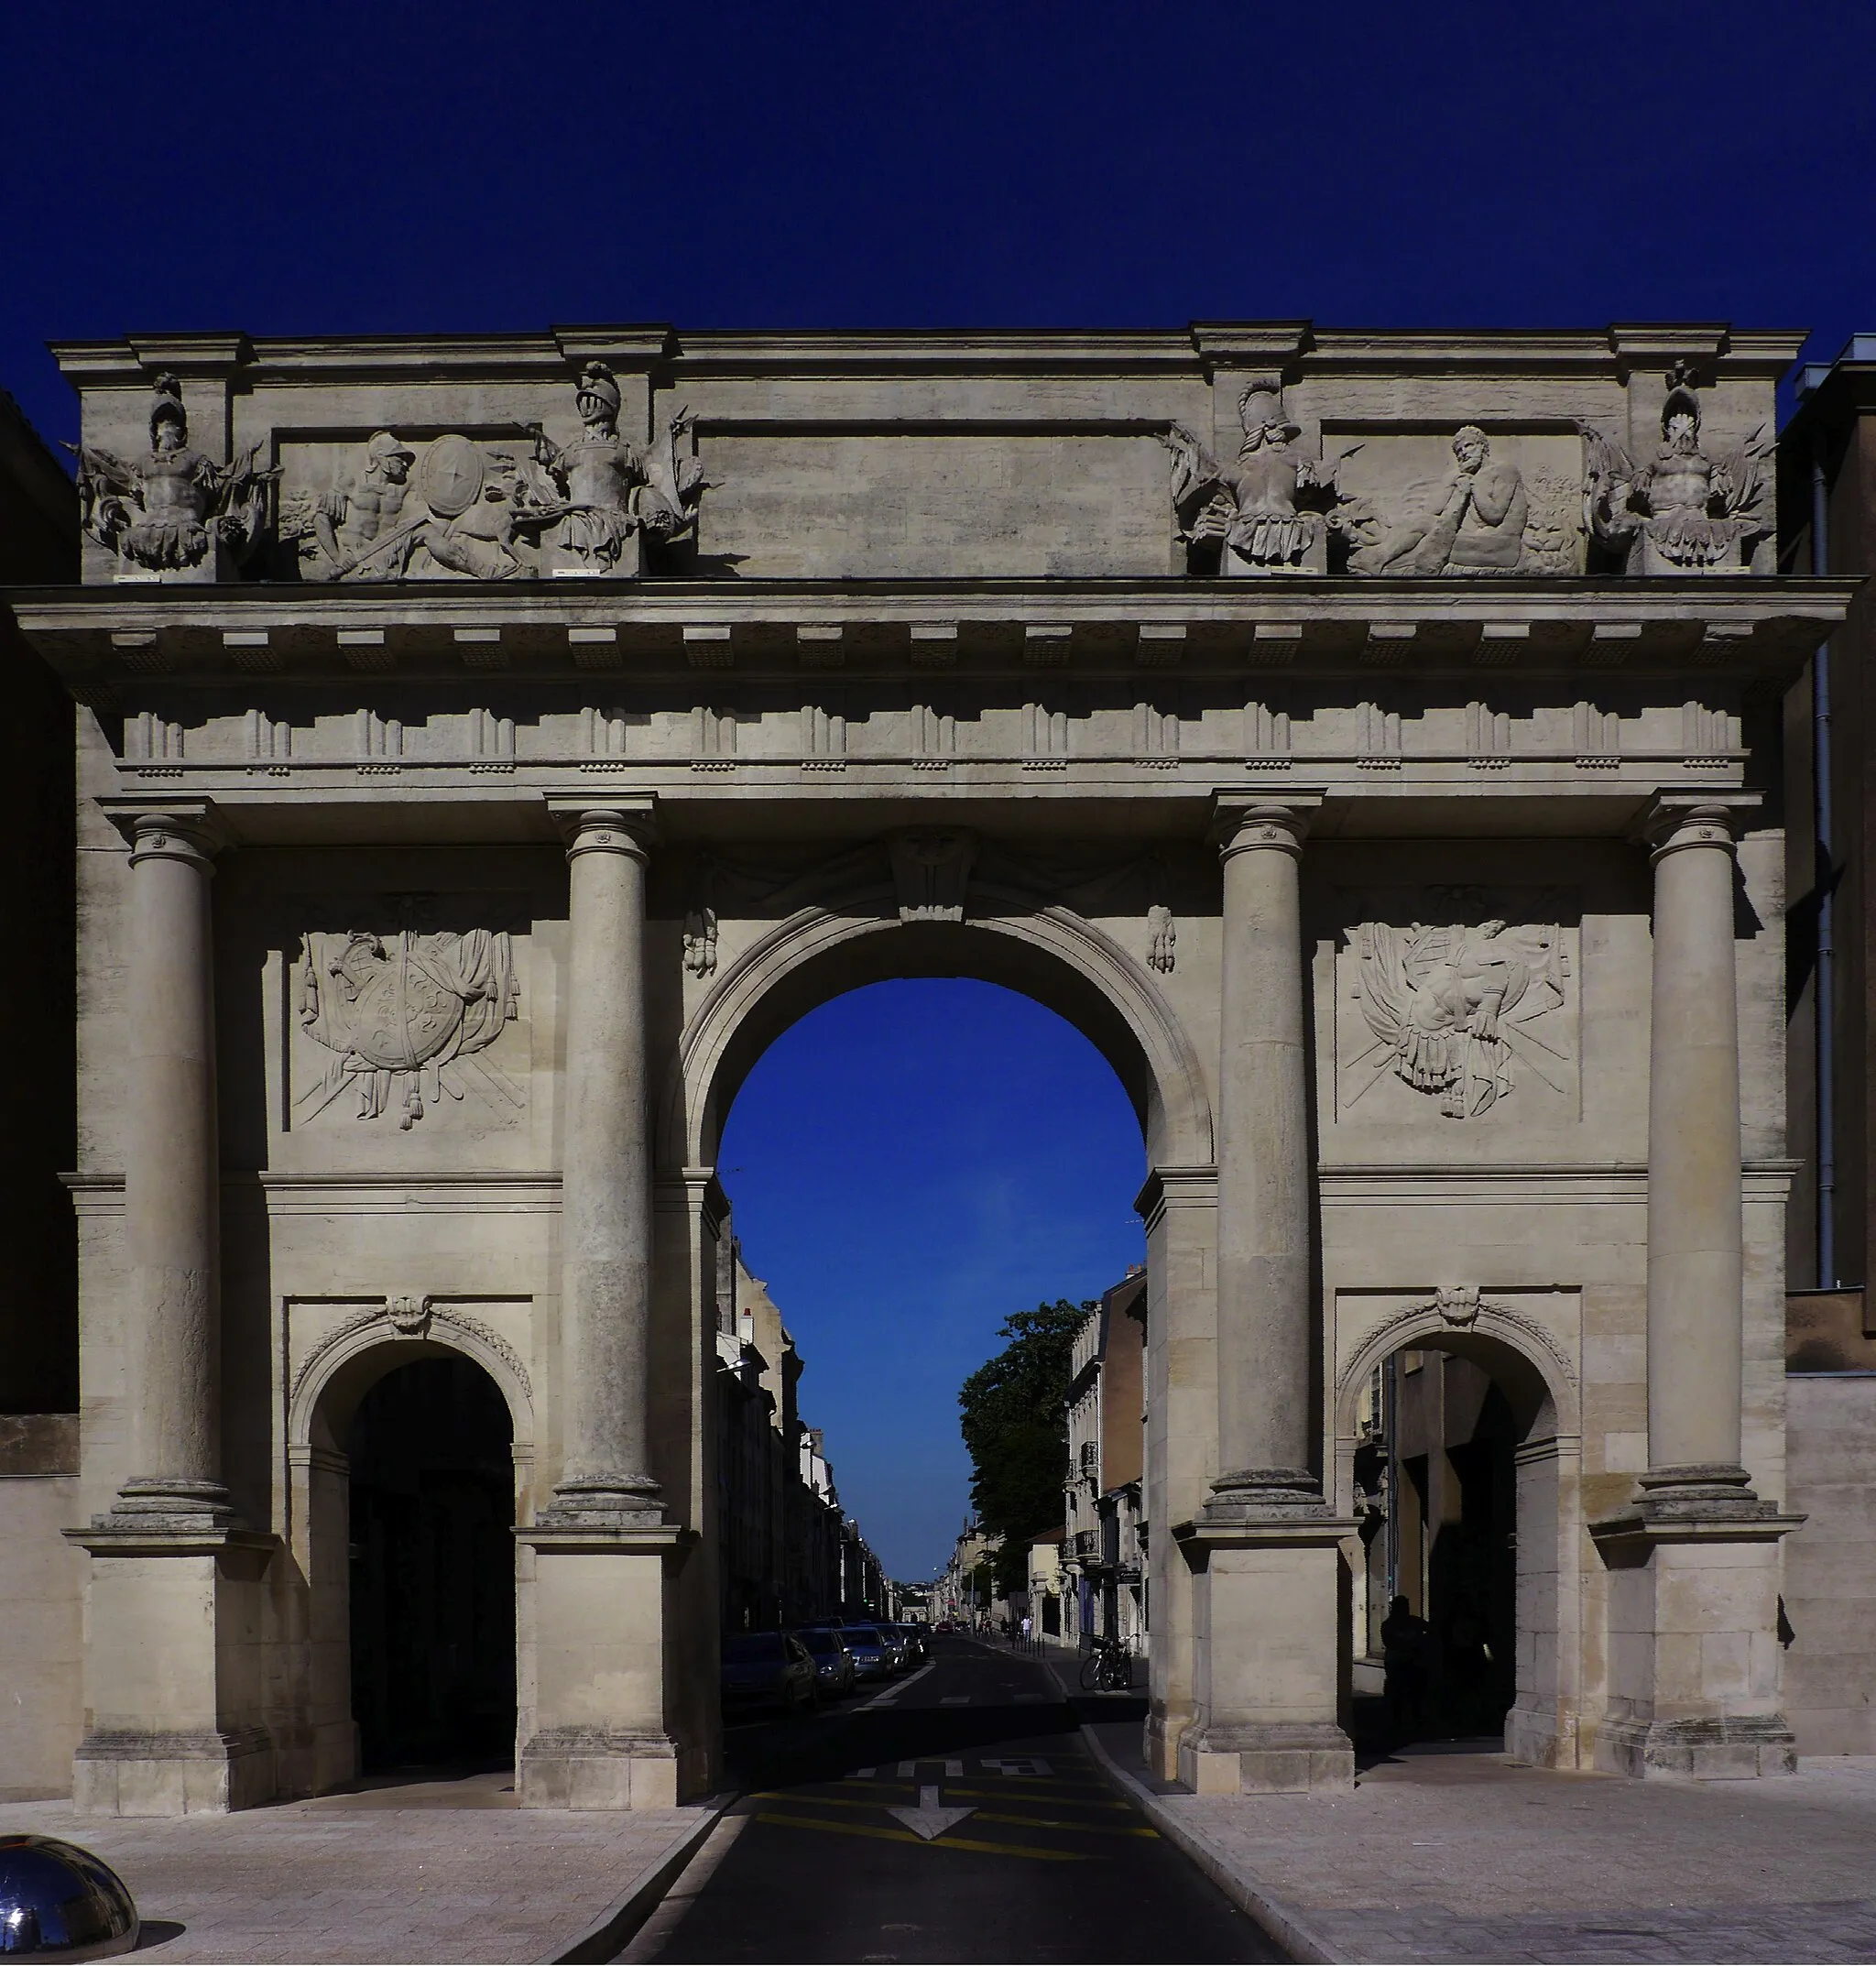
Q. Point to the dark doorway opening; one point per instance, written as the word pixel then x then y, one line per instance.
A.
pixel 432 1516
pixel 1438 1473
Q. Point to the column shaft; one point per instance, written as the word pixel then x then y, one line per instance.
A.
pixel 1264 1339
pixel 172 1172
pixel 1694 1218
pixel 606 1196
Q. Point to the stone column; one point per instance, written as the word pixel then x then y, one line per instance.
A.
pixel 1695 1220
pixel 606 1193
pixel 173 1657
pixel 1264 1334
pixel 1265 1548
pixel 1694 1662
pixel 172 1174
pixel 597 1737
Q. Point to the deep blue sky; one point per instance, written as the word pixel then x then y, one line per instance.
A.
pixel 406 166
pixel 908 1165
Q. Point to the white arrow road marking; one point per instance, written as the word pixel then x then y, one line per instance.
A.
pixel 928 1820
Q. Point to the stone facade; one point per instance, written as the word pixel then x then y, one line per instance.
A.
pixel 487 747
pixel 1102 1569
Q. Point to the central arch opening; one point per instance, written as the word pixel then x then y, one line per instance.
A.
pixel 908 1162
pixel 432 1570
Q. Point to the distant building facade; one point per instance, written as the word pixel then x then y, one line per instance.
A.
pixel 1103 1565
pixel 787 1554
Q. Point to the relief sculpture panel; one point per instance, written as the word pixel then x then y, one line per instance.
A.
pixel 1475 503
pixel 405 1021
pixel 1468 1013
pixel 478 508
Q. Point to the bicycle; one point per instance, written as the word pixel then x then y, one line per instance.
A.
pixel 1107 1668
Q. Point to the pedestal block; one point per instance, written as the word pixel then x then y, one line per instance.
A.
pixel 1694 1658
pixel 1268 1599
pixel 597 1738
pixel 173 1675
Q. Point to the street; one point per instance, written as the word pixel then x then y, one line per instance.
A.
pixel 955 1814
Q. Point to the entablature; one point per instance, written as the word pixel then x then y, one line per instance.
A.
pixel 209 635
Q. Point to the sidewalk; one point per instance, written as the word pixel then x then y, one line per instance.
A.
pixel 443 1870
pixel 1458 1855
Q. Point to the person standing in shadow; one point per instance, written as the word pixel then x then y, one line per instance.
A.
pixel 1404 1641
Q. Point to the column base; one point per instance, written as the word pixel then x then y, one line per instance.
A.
pixel 1718 1750
pixel 129 1771
pixel 592 1768
pixel 1694 1658
pixel 1274 1759
pixel 1267 1589
pixel 596 1738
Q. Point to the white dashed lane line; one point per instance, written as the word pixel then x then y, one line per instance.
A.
pixel 892 1692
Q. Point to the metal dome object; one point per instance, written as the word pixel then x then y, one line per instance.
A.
pixel 58 1902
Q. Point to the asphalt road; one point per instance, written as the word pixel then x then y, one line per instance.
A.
pixel 952 1814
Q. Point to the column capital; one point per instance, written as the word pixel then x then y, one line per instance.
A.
pixel 1679 819
pixel 1249 820
pixel 626 822
pixel 168 829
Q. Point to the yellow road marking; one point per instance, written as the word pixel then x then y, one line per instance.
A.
pixel 948 1842
pixel 1050 1822
pixel 947 1788
pixel 1004 1791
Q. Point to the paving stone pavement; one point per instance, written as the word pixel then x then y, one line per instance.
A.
pixel 445 1872
pixel 1462 1856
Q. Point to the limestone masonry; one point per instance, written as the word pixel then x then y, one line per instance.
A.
pixel 489 745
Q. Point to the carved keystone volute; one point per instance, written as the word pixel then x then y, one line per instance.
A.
pixel 930 870
pixel 410 1315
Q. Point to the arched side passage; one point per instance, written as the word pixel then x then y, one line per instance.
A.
pixel 324 1396
pixel 1544 1724
pixel 1052 955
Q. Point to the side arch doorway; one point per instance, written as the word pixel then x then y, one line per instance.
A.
pixel 431 1562
pixel 407 1459
pixel 1460 1454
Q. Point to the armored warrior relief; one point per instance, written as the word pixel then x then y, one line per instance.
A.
pixel 1270 512
pixel 471 511
pixel 405 1017
pixel 591 501
pixel 1682 512
pixel 164 510
pixel 1450 1008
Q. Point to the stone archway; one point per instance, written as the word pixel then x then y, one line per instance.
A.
pixel 1050 954
pixel 1531 1369
pixel 1067 964
pixel 326 1394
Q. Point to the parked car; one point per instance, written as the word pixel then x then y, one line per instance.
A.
pixel 868 1648
pixel 833 1664
pixel 768 1669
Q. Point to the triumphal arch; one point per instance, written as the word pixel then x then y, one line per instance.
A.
pixel 489 745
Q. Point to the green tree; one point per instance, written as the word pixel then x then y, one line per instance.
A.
pixel 1015 1425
